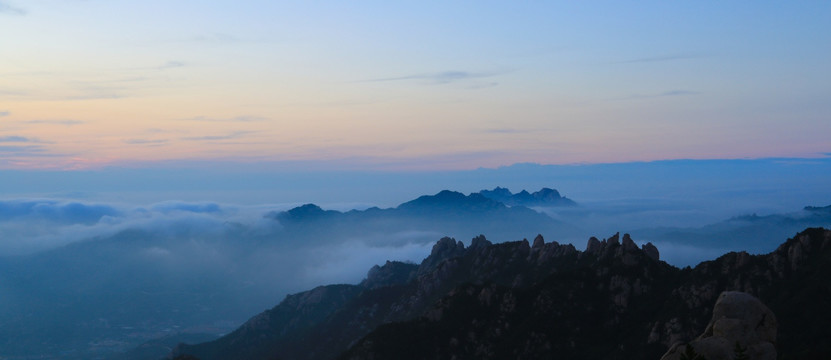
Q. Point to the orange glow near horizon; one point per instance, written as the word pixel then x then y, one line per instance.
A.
pixel 264 86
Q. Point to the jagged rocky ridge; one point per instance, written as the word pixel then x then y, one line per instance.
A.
pixel 614 300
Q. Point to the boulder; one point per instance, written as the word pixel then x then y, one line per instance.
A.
pixel 740 324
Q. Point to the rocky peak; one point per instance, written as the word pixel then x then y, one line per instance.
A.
pixel 614 240
pixel 479 242
pixel 626 250
pixel 593 246
pixel 542 252
pixel 598 247
pixel 538 242
pixel 651 251
pixel 445 248
pixel 547 194
pixel 628 244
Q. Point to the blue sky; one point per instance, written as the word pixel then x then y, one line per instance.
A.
pixel 410 85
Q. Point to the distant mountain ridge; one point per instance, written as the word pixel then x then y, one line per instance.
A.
pixel 452 200
pixel 544 197
pixel 615 300
pixel 752 233
pixel 498 199
pixel 447 212
pixel 818 209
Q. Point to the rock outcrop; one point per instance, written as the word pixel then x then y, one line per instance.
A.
pixel 741 325
pixel 393 272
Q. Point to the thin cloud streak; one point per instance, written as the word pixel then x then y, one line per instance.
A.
pixel 679 93
pixel 13 93
pixel 483 85
pixel 232 135
pixel 67 122
pixel 658 59
pixel 241 118
pixel 171 65
pixel 215 38
pixel 146 141
pixel 8 9
pixel 5 113
pixel 669 93
pixel 22 150
pixel 96 96
pixel 17 139
pixel 18 149
pixel 444 77
pixel 505 131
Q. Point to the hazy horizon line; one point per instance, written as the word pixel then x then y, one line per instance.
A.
pixel 365 165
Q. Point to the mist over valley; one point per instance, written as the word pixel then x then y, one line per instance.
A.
pixel 116 275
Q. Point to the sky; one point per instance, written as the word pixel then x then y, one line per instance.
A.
pixel 378 85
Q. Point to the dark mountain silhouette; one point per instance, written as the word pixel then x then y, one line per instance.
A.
pixel 819 210
pixel 307 212
pixel 447 200
pixel 752 233
pixel 614 300
pixel 444 203
pixel 445 213
pixel 544 197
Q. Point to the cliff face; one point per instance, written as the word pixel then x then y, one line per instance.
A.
pixel 614 300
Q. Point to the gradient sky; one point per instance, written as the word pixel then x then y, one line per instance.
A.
pixel 410 85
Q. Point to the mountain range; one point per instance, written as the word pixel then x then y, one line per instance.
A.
pixel 613 300
pixel 446 212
